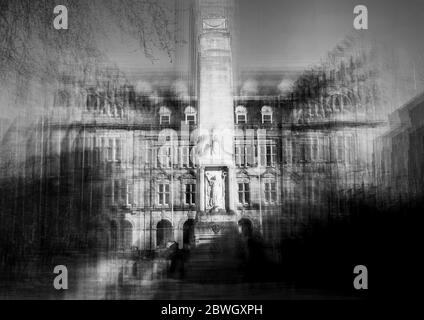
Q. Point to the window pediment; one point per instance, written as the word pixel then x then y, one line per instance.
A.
pixel 164 111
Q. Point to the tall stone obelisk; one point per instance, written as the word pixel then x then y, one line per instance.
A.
pixel 216 112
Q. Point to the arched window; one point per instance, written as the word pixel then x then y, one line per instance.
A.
pixel 164 233
pixel 190 115
pixel 241 115
pixel 337 100
pixel 164 115
pixel 346 101
pixel 62 99
pixel 266 114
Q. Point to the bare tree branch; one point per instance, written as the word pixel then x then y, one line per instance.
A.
pixel 30 46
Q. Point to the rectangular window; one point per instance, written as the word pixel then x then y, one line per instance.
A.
pixel 165 119
pixel 244 155
pixel 314 155
pixel 165 157
pixel 340 149
pixel 307 150
pixel 244 193
pixel 296 152
pixel 270 192
pixel 350 149
pixel 190 119
pixel 184 156
pixel 241 119
pixel 130 194
pixel 190 194
pixel 333 149
pixel 116 191
pixel 325 149
pixel 109 192
pixel 250 156
pixel 301 147
pixel 193 158
pixel 87 153
pixel 266 118
pixel 237 155
pixel 123 191
pixel 163 194
pixel 95 151
pixel 118 152
pixel 103 150
pixel 262 154
pixel 270 155
pixel 110 150
pixel 152 157
pixel 287 151
pixel 144 153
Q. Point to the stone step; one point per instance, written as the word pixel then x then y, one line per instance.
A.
pixel 215 257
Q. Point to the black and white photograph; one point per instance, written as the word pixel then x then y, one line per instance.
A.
pixel 213 150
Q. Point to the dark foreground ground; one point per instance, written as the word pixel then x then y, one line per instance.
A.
pixel 211 271
pixel 317 265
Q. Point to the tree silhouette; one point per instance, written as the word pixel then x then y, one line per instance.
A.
pixel 30 46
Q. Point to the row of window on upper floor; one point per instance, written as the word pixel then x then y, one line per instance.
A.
pixel 244 199
pixel 191 115
pixel 121 192
pixel 243 190
pixel 320 149
pixel 189 112
pixel 173 157
pixel 241 115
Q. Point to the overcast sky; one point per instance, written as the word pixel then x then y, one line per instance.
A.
pixel 282 34
pixel 276 33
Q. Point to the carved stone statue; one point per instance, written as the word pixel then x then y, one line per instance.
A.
pixel 215 190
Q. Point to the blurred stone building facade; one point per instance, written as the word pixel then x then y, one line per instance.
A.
pixel 119 164
pixel 399 155
pixel 118 168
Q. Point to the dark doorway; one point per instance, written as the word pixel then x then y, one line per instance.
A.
pixel 188 233
pixel 164 233
pixel 245 227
